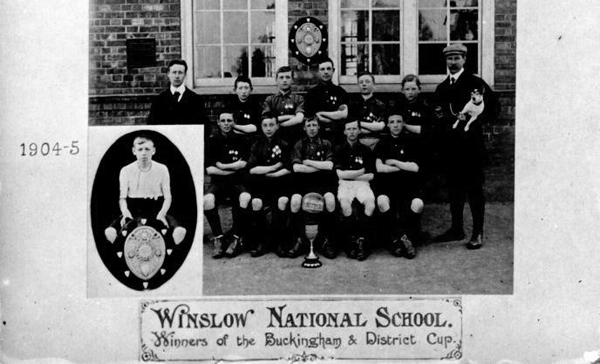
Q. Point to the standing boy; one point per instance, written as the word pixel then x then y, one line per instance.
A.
pixel 246 110
pixel 226 159
pixel 270 181
pixel 286 107
pixel 354 166
pixel 368 110
pixel 328 102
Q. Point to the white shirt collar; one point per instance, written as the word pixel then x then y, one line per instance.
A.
pixel 180 89
pixel 457 74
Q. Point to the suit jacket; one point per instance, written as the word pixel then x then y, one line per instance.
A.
pixel 166 110
pixel 460 147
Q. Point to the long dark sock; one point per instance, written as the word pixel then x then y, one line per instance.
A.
pixel 214 221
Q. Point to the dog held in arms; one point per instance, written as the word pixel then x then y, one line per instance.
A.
pixel 473 108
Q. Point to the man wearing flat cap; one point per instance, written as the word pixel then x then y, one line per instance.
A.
pixel 464 149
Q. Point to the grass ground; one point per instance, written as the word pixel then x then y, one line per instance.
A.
pixel 442 268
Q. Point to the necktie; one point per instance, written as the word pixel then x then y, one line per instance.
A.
pixel 452 80
pixel 176 96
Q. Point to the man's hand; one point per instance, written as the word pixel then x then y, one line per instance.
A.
pixel 162 218
pixel 126 215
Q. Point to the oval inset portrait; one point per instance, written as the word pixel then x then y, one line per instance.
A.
pixel 143 209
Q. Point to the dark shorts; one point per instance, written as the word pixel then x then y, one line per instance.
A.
pixel 226 187
pixel 146 208
pixel 319 182
pixel 399 187
pixel 269 190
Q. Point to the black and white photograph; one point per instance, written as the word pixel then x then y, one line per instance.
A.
pixel 143 208
pixel 292 181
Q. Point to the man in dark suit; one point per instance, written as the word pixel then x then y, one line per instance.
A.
pixel 178 104
pixel 464 150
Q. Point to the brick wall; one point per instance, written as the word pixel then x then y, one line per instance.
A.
pixel 120 96
pixel 112 22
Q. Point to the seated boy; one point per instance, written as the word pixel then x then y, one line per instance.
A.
pixel 145 191
pixel 226 158
pixel 398 186
pixel 312 160
pixel 269 167
pixel 354 167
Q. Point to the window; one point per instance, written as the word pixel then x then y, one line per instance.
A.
pixel 392 38
pixel 229 38
pixel 370 37
pixel 442 23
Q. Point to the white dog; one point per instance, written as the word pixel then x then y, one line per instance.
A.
pixel 474 108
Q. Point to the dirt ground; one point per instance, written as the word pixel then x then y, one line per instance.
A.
pixel 439 268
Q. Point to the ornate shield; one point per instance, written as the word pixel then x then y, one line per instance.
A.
pixel 145 251
pixel 308 40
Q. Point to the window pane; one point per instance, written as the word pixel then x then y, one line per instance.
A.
pixel 206 5
pixel 360 4
pixel 207 27
pixel 472 64
pixel 235 4
pixel 464 3
pixel 355 59
pixel 385 3
pixel 262 4
pixel 431 59
pixel 235 61
pixel 208 63
pixel 386 25
pixel 355 26
pixel 432 4
pixel 235 28
pixel 386 59
pixel 263 61
pixel 263 23
pixel 464 25
pixel 432 25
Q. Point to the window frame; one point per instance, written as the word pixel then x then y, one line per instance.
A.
pixel 225 85
pixel 409 47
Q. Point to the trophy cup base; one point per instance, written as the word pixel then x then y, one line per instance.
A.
pixel 311 262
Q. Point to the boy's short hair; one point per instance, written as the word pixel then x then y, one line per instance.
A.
pixel 395 111
pixel 242 79
pixel 284 69
pixel 411 78
pixel 227 112
pixel 348 121
pixel 325 60
pixel 311 118
pixel 365 73
pixel 179 62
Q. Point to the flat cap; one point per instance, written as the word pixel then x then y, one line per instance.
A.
pixel 456 48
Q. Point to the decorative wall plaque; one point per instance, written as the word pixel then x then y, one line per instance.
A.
pixel 308 40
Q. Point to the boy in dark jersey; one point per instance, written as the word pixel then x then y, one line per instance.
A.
pixel 286 107
pixel 368 110
pixel 399 186
pixel 270 172
pixel 354 166
pixel 226 159
pixel 328 102
pixel 312 160
pixel 246 110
